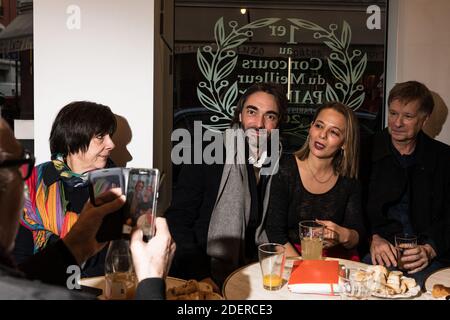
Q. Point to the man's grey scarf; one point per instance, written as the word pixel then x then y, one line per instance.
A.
pixel 230 217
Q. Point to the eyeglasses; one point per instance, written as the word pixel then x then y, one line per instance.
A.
pixel 25 164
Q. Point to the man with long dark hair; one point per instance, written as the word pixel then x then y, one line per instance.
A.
pixel 218 210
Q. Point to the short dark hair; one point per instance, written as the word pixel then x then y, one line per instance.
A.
pixel 409 91
pixel 270 88
pixel 77 123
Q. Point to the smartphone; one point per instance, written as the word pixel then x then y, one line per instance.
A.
pixel 141 203
pixel 101 181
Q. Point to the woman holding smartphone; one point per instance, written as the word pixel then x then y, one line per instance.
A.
pixel 80 141
pixel 319 183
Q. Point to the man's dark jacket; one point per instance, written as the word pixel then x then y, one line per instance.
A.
pixel 429 191
pixel 189 216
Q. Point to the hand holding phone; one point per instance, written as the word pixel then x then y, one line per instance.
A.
pixel 140 207
pixel 101 181
pixel 141 200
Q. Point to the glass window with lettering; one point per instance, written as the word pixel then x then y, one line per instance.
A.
pixel 318 52
pixel 16 67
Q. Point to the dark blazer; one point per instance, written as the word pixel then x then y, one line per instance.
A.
pixel 188 218
pixel 429 191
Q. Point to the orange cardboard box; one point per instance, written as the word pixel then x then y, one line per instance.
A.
pixel 314 276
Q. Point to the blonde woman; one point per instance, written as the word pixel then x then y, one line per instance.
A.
pixel 319 183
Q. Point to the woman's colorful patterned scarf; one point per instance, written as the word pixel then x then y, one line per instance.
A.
pixel 69 177
pixel 45 205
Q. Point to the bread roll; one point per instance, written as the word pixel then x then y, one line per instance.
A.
pixel 396 273
pixel 440 291
pixel 403 286
pixel 390 291
pixel 206 287
pixel 189 287
pixel 212 296
pixel 379 276
pixel 410 282
pixel 390 283
pixel 361 275
pixel 379 273
pixel 393 282
pixel 190 296
pixel 192 290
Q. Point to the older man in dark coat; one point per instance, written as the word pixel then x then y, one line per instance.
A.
pixel 409 186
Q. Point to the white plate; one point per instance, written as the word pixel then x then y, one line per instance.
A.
pixel 410 293
pixel 439 277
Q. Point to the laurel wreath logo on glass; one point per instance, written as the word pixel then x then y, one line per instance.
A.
pixel 345 68
pixel 217 61
pixel 215 94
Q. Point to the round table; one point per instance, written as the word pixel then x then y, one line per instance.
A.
pixel 246 284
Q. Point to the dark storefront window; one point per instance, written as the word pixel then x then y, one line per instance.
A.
pixel 335 49
pixel 16 64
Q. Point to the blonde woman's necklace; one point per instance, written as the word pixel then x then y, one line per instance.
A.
pixel 314 176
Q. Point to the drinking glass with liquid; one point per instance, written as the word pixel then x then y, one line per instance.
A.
pixel 404 242
pixel 120 278
pixel 272 260
pixel 311 238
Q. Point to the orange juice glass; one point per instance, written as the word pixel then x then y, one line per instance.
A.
pixel 271 260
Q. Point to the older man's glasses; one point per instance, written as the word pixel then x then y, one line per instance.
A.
pixel 25 164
